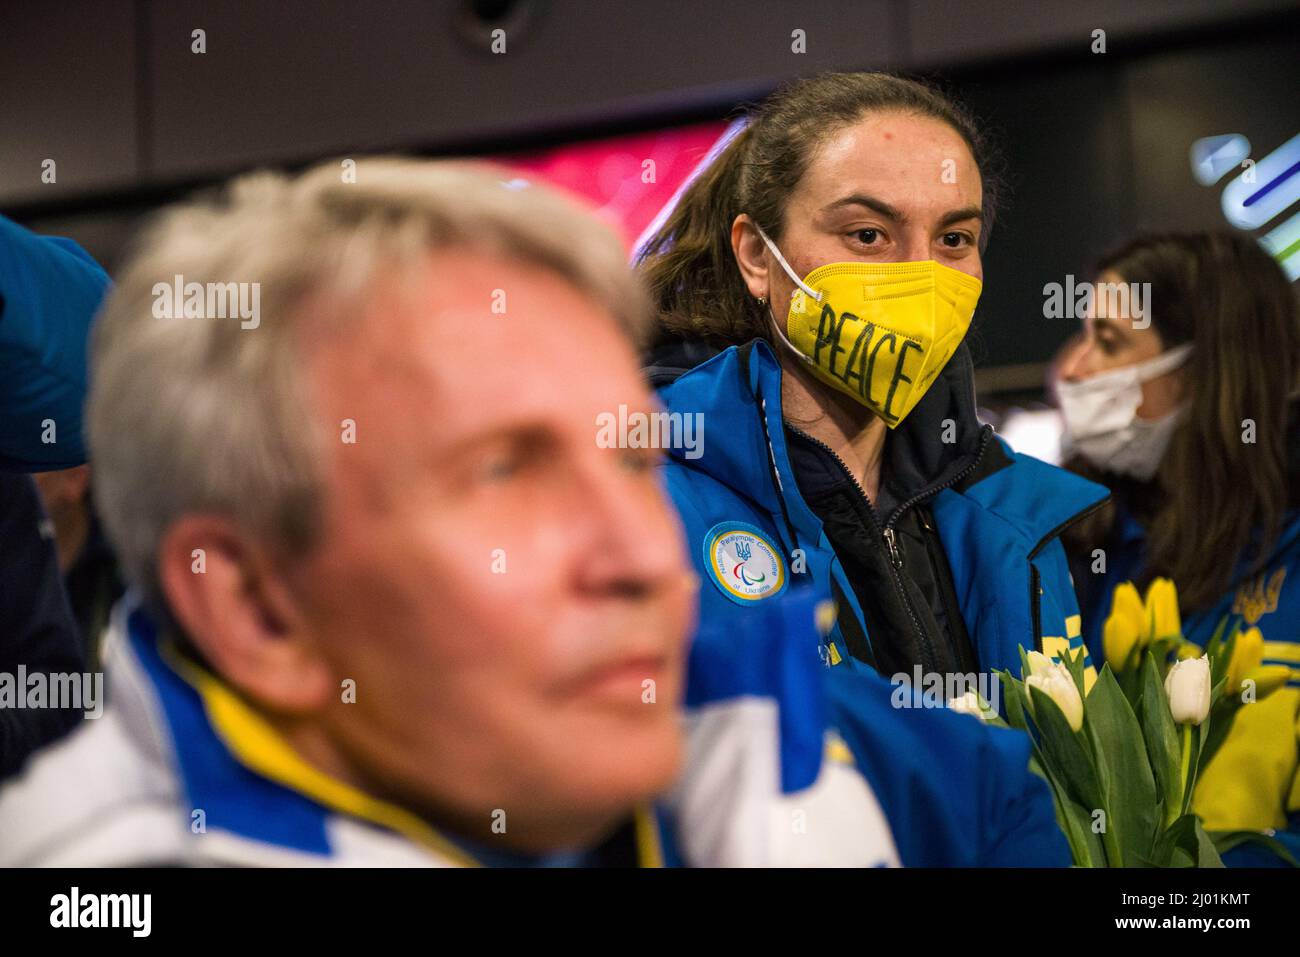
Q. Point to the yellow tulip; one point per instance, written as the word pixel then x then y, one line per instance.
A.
pixel 1247 653
pixel 1162 610
pixel 1125 629
pixel 1268 678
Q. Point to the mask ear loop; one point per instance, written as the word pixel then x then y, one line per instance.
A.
pixel 816 296
pixel 1167 361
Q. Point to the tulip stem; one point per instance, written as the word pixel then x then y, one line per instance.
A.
pixel 1186 764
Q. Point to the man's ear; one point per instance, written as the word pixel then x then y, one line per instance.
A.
pixel 225 592
pixel 751 255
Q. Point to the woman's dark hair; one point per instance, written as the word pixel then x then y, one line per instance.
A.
pixel 688 264
pixel 1218 498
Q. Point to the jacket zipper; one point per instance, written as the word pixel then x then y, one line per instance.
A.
pixel 956 621
pixel 985 435
pixel 891 543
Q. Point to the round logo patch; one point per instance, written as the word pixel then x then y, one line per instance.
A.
pixel 742 562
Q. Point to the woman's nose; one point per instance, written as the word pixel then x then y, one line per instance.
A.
pixel 1077 363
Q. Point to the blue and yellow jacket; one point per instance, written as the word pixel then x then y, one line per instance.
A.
pixel 788 763
pixel 999 515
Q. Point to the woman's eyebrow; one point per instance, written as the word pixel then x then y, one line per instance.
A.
pixel 877 205
pixel 959 215
pixel 897 215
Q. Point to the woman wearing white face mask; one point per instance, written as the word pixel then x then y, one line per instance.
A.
pixel 1185 407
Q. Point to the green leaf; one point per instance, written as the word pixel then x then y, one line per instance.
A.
pixel 1071 819
pixel 1013 696
pixel 1206 853
pixel 1221 658
pixel 1216 690
pixel 1161 740
pixel 1025 670
pixel 1178 837
pixel 1092 850
pixel 1066 752
pixel 1074 664
pixel 1215 728
pixel 1127 783
pixel 1225 841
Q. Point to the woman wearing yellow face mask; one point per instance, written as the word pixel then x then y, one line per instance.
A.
pixel 816 283
pixel 1186 409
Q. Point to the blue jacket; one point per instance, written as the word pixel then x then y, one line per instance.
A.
pixel 50 290
pixel 999 523
pixel 953 791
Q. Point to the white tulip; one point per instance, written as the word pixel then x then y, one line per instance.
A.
pixel 1057 683
pixel 1039 663
pixel 1188 687
pixel 970 703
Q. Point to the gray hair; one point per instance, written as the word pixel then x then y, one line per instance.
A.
pixel 210 415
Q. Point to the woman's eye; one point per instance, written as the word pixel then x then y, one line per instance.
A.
pixel 866 236
pixel 954 240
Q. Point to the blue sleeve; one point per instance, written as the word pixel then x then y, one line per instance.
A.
pixel 1252 854
pixel 957 793
pixel 50 290
pixel 37 630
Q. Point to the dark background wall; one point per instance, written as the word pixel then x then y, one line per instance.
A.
pixel 1096 144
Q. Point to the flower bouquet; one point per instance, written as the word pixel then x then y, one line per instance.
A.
pixel 1121 750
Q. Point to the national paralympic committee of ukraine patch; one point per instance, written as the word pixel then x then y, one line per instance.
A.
pixel 742 562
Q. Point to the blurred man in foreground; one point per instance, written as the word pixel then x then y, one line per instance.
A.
pixel 397 603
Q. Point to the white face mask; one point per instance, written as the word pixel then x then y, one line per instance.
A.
pixel 1101 420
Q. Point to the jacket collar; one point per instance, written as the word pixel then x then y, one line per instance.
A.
pixel 232 764
pixel 940 439
pixel 738 390
pixel 251 783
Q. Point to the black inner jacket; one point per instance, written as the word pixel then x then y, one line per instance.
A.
pixel 905 588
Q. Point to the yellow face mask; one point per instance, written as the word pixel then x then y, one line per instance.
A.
pixel 879 332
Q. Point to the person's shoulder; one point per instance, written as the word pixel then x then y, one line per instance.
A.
pixel 1000 460
pixel 670 358
pixel 1034 496
pixel 97 798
